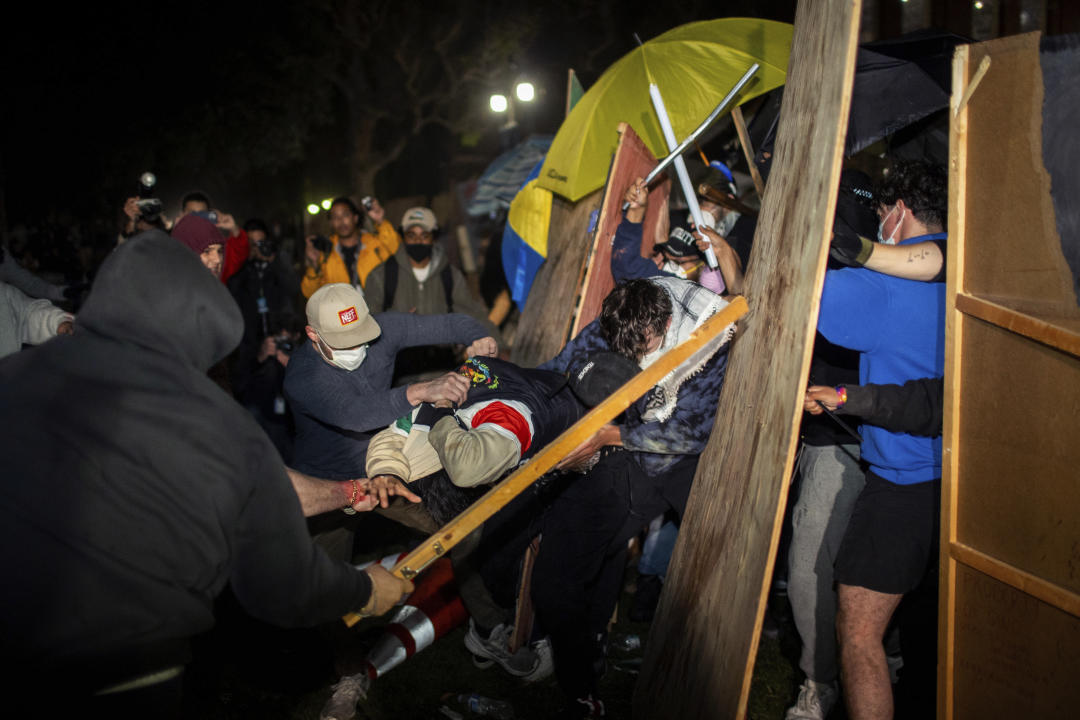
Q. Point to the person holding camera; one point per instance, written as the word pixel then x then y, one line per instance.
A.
pixel 264 289
pixel 350 254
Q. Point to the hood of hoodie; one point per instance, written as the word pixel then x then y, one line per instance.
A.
pixel 154 293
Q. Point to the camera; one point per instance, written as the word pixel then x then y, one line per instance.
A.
pixel 322 243
pixel 368 202
pixel 149 206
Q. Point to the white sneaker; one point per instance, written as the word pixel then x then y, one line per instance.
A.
pixel 497 647
pixel 545 666
pixel 815 701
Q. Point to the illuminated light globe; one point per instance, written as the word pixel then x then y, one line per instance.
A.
pixel 327 203
pixel 525 92
pixel 499 103
pixel 313 209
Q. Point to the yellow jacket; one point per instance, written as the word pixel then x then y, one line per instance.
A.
pixel 374 251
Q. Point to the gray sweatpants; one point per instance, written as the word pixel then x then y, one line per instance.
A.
pixel 831 482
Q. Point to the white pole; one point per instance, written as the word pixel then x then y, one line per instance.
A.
pixel 680 170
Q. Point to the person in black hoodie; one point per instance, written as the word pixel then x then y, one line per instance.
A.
pixel 135 489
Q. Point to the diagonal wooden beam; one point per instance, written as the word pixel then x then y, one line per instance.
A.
pixel 495 499
pixel 701 648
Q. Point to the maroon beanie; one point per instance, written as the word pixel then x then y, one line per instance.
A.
pixel 197 233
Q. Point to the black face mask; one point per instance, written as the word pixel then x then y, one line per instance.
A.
pixel 419 251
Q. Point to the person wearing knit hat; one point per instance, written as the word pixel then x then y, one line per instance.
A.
pixel 203 238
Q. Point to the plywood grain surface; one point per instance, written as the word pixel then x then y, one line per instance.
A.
pixel 701 646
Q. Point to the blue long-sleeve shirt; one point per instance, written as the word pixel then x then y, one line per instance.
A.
pixel 898 328
pixel 336 411
pixel 626 260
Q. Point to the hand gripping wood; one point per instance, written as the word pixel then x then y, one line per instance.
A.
pixel 494 500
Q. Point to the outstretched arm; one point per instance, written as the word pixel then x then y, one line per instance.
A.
pixel 319 496
pixel 924 261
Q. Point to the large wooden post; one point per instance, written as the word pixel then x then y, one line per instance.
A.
pixel 701 647
pixel 545 321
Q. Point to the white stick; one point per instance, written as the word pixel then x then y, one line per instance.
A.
pixel 680 170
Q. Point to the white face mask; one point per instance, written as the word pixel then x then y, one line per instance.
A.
pixel 891 240
pixel 348 359
pixel 674 268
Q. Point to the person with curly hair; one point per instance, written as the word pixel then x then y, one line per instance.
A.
pixel 890 546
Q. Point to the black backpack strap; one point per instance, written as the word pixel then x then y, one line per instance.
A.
pixel 448 287
pixel 390 276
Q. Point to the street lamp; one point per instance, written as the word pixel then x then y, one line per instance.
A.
pixel 524 91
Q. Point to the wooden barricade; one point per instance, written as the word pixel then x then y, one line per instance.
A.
pixel 1009 640
pixel 701 648
pixel 632 160
pixel 545 321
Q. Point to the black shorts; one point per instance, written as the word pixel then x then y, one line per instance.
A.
pixel 892 538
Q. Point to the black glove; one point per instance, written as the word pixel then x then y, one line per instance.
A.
pixel 848 247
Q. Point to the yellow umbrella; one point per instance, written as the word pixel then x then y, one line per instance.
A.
pixel 694 66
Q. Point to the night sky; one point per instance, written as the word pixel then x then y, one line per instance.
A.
pixel 244 101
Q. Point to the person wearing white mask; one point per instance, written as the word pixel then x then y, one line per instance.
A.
pixel 682 255
pixel 338 385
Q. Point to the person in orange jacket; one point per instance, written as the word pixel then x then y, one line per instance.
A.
pixel 353 253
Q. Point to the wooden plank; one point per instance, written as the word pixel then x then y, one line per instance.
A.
pixel 1016 657
pixel 545 320
pixel 495 499
pixel 632 160
pixel 748 150
pixel 1018 484
pixel 1005 123
pixel 1059 332
pixel 954 321
pixel 699 658
pixel 1049 593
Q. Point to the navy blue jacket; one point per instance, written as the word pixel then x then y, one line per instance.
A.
pixel 337 411
pixel 657 446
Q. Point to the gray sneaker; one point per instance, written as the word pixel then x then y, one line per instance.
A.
pixel 545 665
pixel 496 647
pixel 815 701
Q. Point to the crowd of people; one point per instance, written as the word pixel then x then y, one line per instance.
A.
pixel 211 416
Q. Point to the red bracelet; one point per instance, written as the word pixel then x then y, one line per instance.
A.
pixel 349 509
pixel 842 392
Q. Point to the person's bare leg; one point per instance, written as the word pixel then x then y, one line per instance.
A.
pixel 861 618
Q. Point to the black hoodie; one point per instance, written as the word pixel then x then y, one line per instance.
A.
pixel 134 488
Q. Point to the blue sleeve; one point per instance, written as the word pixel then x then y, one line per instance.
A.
pixel 626 260
pixel 687 431
pixel 587 341
pixel 848 301
pixel 340 398
pixel 412 330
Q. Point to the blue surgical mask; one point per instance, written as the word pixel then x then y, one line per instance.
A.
pixel 891 240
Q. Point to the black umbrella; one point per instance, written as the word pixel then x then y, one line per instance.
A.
pixel 898 84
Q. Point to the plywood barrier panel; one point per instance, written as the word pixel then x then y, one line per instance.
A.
pixel 1019 456
pixel 1013 248
pixel 632 160
pixel 1016 657
pixel 699 655
pixel 545 321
